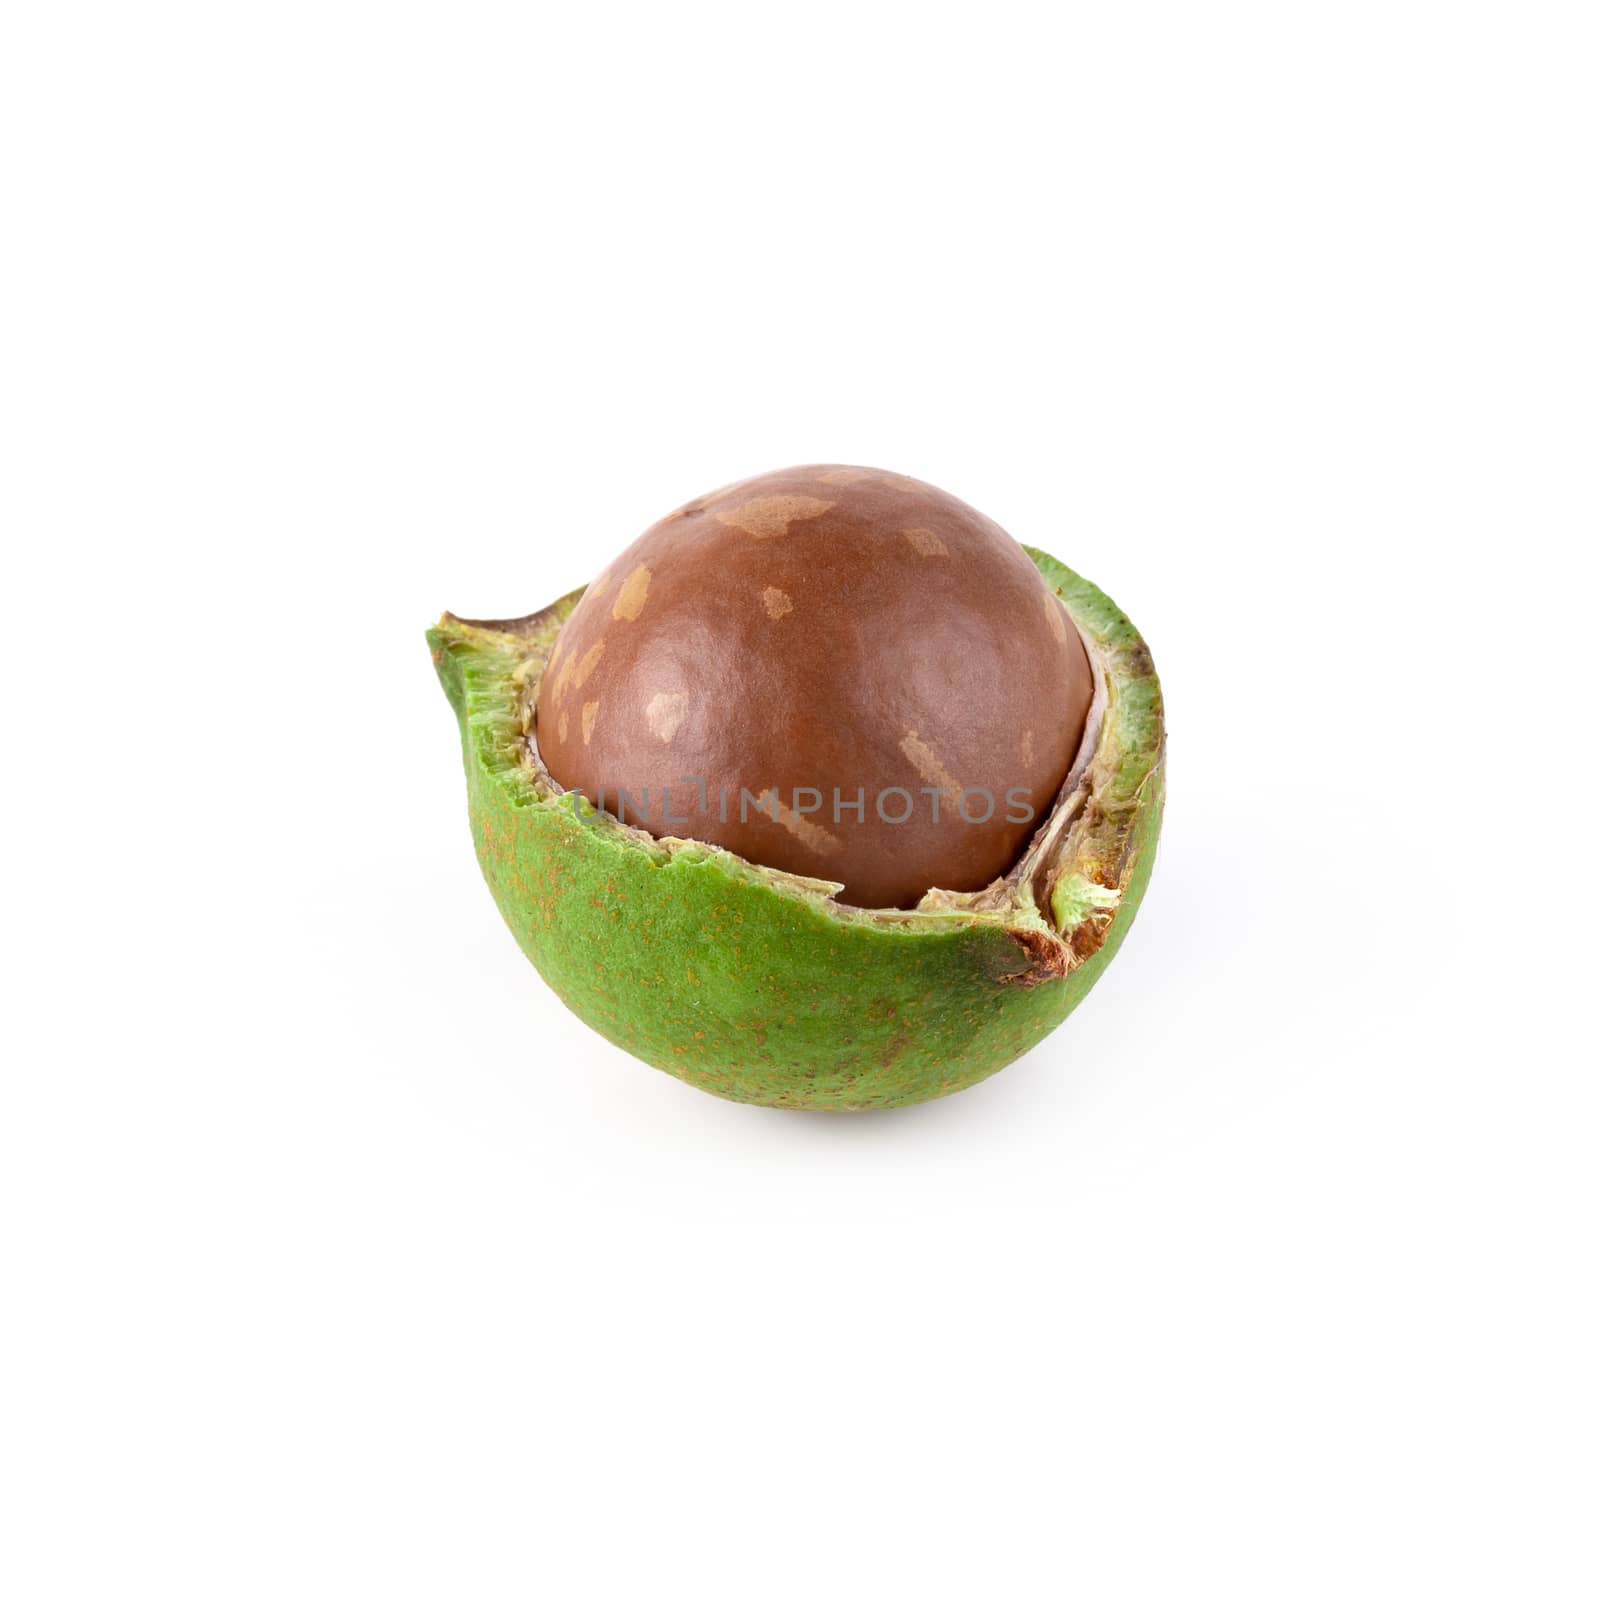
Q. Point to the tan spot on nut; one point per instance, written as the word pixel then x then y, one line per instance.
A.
pixel 631 596
pixel 665 714
pixel 1027 747
pixel 812 835
pixel 902 485
pixel 927 762
pixel 843 476
pixel 778 604
pixel 591 659
pixel 561 727
pixel 591 709
pixel 770 516
pixel 573 673
pixel 926 542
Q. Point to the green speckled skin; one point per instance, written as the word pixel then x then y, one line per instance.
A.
pixel 757 988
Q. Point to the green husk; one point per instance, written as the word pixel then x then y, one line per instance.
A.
pixel 758 986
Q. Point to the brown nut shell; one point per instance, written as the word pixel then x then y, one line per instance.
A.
pixel 768 656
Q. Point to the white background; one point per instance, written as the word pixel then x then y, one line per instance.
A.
pixel 339 1260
